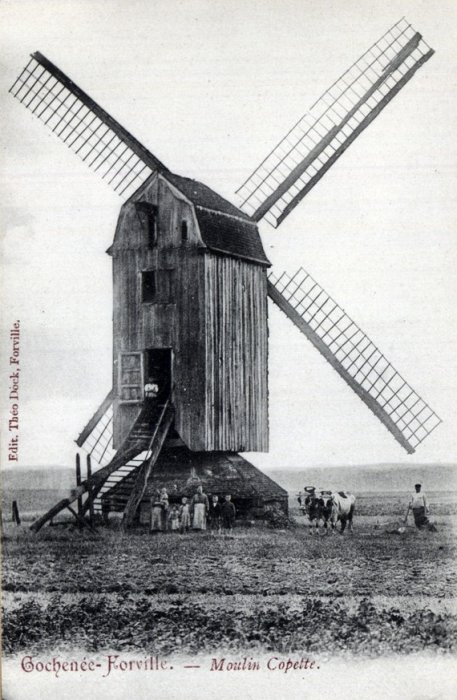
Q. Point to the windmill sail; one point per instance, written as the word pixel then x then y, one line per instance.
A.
pixel 355 357
pixel 84 126
pixel 319 138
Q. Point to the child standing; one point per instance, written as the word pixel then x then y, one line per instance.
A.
pixel 174 518
pixel 184 515
pixel 215 514
pixel 228 513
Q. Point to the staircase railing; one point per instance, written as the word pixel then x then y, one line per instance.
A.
pixel 127 452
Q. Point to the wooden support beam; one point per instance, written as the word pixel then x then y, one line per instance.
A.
pixel 368 400
pixel 16 517
pixel 49 515
pixel 90 497
pixel 125 454
pixel 81 521
pixel 78 483
pixel 139 487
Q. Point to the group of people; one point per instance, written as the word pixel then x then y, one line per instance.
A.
pixel 314 506
pixel 198 513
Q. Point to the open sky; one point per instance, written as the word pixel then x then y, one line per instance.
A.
pixel 210 86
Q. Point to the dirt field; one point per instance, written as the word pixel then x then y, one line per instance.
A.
pixel 256 589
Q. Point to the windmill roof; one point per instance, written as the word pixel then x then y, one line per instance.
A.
pixel 223 227
pixel 226 234
pixel 204 196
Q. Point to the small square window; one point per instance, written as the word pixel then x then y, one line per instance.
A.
pixel 156 286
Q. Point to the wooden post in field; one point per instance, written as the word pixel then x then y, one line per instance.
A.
pixel 78 483
pixel 90 494
pixel 16 518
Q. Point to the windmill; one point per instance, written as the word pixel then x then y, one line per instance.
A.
pixel 191 282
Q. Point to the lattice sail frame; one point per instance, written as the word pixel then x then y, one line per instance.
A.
pixel 320 137
pixel 84 126
pixel 355 357
pixel 99 442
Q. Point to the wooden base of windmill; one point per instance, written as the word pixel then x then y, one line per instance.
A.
pixel 168 464
pixel 181 471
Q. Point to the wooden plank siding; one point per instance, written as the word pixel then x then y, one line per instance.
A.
pixel 215 322
pixel 236 355
pixel 177 324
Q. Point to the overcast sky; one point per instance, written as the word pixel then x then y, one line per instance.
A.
pixel 210 87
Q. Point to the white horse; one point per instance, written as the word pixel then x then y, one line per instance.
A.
pixel 343 505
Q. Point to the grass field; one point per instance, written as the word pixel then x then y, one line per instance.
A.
pixel 370 593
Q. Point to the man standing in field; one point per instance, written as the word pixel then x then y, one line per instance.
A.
pixel 418 504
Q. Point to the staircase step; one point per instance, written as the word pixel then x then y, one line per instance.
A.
pixel 121 491
pixel 116 483
pixel 118 486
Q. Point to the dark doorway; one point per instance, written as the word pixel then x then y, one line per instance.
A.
pixel 158 369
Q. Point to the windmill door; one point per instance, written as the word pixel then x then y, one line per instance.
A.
pixel 157 371
pixel 131 377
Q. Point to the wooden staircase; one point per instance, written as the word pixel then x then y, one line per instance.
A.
pixel 140 434
pixel 134 459
pixel 129 481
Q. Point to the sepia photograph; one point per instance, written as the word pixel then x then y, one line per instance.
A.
pixel 228 349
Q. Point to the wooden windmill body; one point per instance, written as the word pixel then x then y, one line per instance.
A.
pixel 190 312
pixel 190 299
pixel 191 283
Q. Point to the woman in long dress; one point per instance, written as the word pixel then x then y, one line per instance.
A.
pixel 200 508
pixel 156 513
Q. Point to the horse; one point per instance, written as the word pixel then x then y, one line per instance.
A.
pixel 342 506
